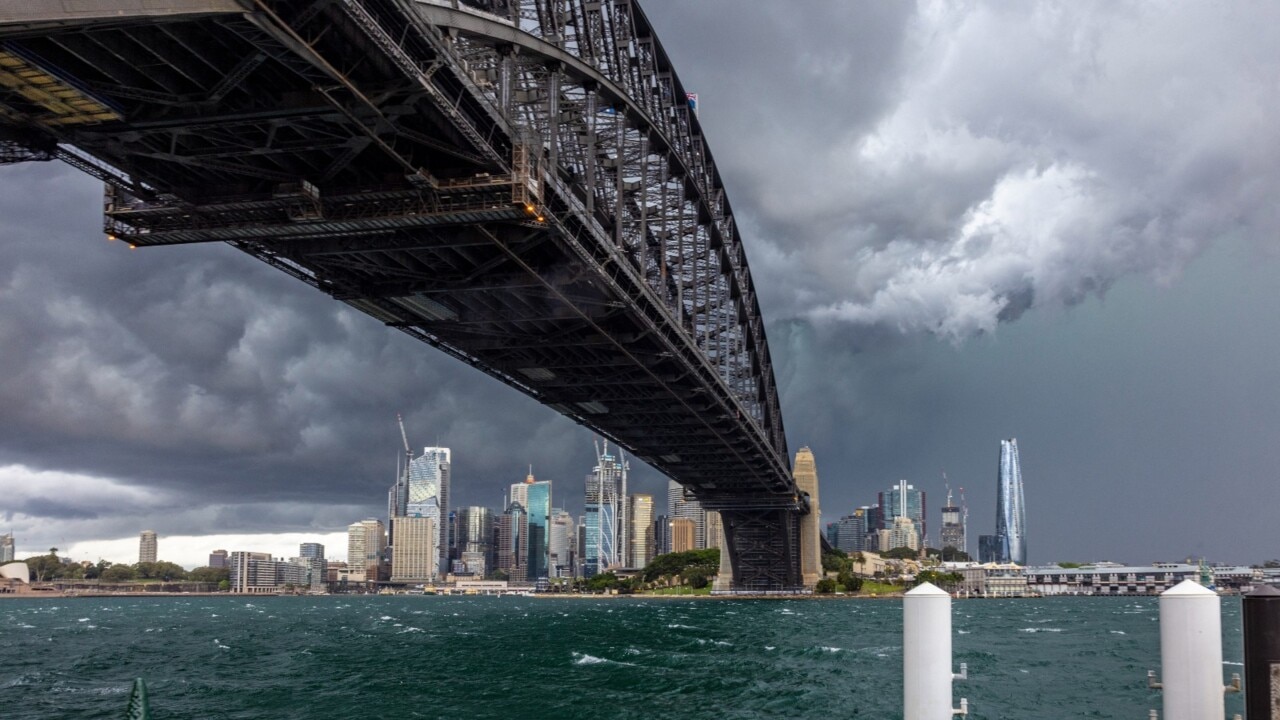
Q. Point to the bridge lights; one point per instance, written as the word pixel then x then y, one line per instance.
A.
pixel 111 237
pixel 132 246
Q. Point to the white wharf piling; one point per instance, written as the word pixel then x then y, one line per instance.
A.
pixel 926 655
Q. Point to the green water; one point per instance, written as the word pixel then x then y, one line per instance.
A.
pixel 429 657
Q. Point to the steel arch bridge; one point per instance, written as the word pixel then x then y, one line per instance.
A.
pixel 522 184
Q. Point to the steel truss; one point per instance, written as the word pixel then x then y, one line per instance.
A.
pixel 520 183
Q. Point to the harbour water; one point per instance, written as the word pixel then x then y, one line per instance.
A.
pixel 429 657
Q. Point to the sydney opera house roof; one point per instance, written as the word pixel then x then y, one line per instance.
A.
pixel 15 571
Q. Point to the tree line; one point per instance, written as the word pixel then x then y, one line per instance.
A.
pixel 50 567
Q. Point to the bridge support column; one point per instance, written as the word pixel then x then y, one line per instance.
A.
pixel 763 549
pixel 805 472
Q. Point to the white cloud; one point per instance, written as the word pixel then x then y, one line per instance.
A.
pixel 191 551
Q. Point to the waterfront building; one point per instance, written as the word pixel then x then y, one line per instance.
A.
pixel 904 500
pixel 218 559
pixel 641 523
pixel 561 543
pixel 147 547
pixel 312 556
pixel 953 526
pixel 606 513
pixel 538 526
pixel 474 564
pixel 1011 512
pixel 988 549
pixel 683 535
pixel 366 541
pixel 1110 579
pixel 680 506
pixel 416 556
pixel 259 573
pixel 6 548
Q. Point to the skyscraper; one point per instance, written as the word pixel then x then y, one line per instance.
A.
pixel 605 516
pixel 537 538
pixel 562 543
pixel 6 548
pixel 428 496
pixel 953 526
pixel 904 500
pixel 641 524
pixel 682 535
pixel 218 559
pixel 147 547
pixel 311 550
pixel 366 541
pixel 678 506
pixel 1011 511
pixel 475 533
pixel 849 533
pixel 416 558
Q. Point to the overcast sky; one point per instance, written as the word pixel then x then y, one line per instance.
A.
pixel 968 221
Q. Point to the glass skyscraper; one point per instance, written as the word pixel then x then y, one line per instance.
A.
pixel 605 514
pixel 1011 510
pixel 539 524
pixel 904 500
pixel 428 496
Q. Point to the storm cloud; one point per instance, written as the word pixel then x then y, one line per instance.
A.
pixel 966 222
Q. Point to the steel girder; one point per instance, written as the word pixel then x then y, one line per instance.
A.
pixel 521 184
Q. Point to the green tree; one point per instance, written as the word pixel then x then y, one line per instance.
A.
pixel 697 580
pixel 900 553
pixel 951 553
pixel 209 574
pixel 834 560
pixel 825 586
pixel 1069 565
pixel 118 573
pixel 224 585
pixel 671 564
pixel 852 583
pixel 499 575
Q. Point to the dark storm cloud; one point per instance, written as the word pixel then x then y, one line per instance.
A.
pixel 901 173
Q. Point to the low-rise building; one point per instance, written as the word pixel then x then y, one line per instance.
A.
pixel 1109 579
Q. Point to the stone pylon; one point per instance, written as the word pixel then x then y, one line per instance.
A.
pixel 806 474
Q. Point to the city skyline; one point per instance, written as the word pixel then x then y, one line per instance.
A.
pixel 945 254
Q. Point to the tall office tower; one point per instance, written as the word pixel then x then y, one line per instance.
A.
pixel 538 524
pixel 805 471
pixel 580 551
pixel 989 549
pixel 147 547
pixel 6 548
pixel 952 526
pixel 678 506
pixel 903 534
pixel 605 515
pixel 475 532
pixel 429 480
pixel 1011 509
pixel 512 547
pixel 906 501
pixel 416 558
pixel 311 550
pixel 661 536
pixel 683 535
pixel 849 533
pixel 562 539
pixel 641 524
pixel 875 519
pixel 366 541
pixel 218 559
pixel 714 530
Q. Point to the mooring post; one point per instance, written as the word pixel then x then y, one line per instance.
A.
pixel 926 655
pixel 1261 610
pixel 1191 653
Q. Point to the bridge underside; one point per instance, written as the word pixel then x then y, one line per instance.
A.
pixel 526 191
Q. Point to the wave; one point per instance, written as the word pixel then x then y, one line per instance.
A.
pixel 585 659
pixel 1036 630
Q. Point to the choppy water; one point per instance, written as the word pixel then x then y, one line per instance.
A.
pixel 427 657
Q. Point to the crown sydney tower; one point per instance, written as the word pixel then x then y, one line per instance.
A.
pixel 1011 509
